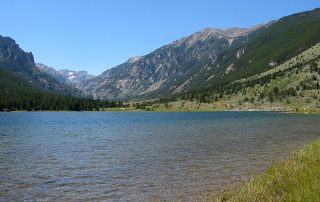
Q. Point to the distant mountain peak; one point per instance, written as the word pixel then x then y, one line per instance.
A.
pixel 228 33
pixel 65 76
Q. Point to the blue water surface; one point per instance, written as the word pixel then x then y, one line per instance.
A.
pixel 105 156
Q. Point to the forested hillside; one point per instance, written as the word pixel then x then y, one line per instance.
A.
pixel 18 94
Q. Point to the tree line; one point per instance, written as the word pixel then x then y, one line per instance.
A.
pixel 15 100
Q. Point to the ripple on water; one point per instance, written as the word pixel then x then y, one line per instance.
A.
pixel 140 156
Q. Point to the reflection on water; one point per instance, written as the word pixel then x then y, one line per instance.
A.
pixel 140 156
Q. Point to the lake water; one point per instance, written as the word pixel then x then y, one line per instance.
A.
pixel 58 156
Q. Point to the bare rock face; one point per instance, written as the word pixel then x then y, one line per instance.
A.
pixel 165 71
pixel 14 58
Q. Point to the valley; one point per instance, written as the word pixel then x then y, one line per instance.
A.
pixel 187 101
pixel 269 67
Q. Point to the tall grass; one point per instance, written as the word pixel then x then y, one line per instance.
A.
pixel 296 179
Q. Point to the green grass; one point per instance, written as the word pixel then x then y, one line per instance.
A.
pixel 296 179
pixel 309 54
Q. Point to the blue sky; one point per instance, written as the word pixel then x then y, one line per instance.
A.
pixel 95 35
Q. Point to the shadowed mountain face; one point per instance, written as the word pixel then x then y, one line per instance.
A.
pixel 164 71
pixel 14 60
pixel 208 58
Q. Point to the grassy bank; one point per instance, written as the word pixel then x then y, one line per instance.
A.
pixel 296 179
pixel 218 106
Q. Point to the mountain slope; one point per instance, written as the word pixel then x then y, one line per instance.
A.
pixel 208 59
pixel 18 94
pixel 269 46
pixel 293 86
pixel 23 87
pixel 13 59
pixel 163 68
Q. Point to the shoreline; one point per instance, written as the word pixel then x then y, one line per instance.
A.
pixel 174 111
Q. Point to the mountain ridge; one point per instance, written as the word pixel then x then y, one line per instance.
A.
pixel 204 61
pixel 209 57
pixel 150 72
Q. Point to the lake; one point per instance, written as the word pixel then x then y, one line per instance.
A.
pixel 58 156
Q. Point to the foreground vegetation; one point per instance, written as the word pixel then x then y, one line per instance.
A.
pixel 296 179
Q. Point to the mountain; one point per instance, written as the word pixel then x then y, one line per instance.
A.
pixel 68 77
pixel 24 87
pixel 19 64
pixel 17 93
pixel 208 59
pixel 162 69
pixel 293 85
pixel 51 72
pixel 265 48
pixel 192 67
